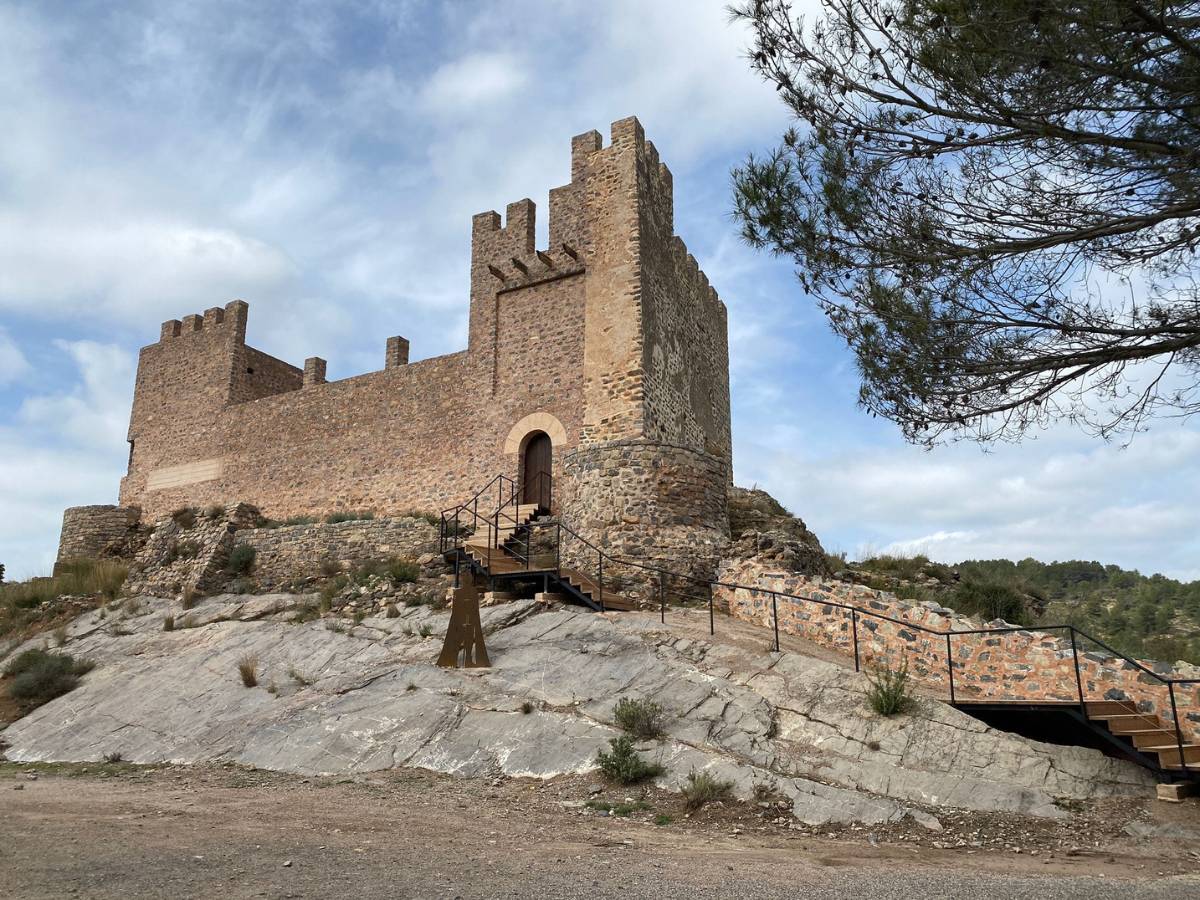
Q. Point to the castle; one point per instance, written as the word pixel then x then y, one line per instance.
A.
pixel 601 360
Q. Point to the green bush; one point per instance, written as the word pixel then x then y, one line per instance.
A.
pixel 403 571
pixel 992 600
pixel 704 787
pixel 623 764
pixel 38 676
pixel 241 560
pixel 889 692
pixel 641 718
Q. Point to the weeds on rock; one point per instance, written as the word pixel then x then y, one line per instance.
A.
pixel 19 600
pixel 641 718
pixel 114 756
pixel 38 676
pixel 622 764
pixel 704 787
pixel 185 517
pixel 425 630
pixel 169 623
pixel 391 612
pixel 241 560
pixel 298 677
pixel 526 708
pixel 889 693
pixel 662 820
pixel 187 599
pixel 247 668
pixel 60 635
pixel 214 511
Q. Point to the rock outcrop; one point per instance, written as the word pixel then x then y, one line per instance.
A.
pixel 761 528
pixel 333 697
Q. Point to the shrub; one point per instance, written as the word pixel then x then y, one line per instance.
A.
pixel 704 787
pixel 403 571
pixel 300 520
pixel 247 668
pixel 641 718
pixel 526 708
pixel 169 623
pixel 663 819
pixel 241 560
pixel 992 600
pixel 329 566
pixel 889 692
pixel 622 764
pixel 187 598
pixel 297 676
pixel 214 510
pixel 425 630
pixel 60 635
pixel 185 517
pixel 39 676
pixel 114 756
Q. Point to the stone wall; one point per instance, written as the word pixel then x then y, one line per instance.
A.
pixel 89 532
pixel 1020 665
pixel 188 551
pixel 294 554
pixel 652 503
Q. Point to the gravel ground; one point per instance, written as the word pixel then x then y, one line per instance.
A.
pixel 133 832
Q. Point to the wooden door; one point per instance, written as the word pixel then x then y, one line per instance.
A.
pixel 535 470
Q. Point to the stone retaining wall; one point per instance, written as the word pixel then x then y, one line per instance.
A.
pixel 1020 665
pixel 297 553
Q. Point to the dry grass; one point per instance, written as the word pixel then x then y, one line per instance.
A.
pixel 247 668
pixel 20 600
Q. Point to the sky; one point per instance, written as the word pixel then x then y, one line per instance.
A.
pixel 322 160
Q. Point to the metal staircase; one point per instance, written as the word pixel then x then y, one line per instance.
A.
pixel 503 539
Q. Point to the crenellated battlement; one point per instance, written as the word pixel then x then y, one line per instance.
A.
pixel 231 319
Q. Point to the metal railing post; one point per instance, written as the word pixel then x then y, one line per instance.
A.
pixel 558 550
pixel 712 625
pixel 601 601
pixel 950 666
pixel 1078 675
pixel 854 632
pixel 1178 731
pixel 775 617
pixel 662 596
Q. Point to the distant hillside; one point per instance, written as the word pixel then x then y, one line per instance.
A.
pixel 1151 616
pixel 1146 616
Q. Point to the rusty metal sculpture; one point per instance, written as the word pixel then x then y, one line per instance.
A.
pixel 464 634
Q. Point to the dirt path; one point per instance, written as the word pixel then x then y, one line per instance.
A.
pixel 123 831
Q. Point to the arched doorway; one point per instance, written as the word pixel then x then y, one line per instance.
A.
pixel 535 470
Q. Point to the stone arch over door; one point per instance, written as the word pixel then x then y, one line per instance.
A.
pixel 532 441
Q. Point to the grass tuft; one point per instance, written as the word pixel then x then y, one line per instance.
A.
pixel 247 668
pixel 703 788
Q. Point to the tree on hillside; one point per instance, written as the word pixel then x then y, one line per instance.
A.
pixel 996 201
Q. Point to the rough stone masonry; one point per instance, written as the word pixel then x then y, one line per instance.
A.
pixel 610 341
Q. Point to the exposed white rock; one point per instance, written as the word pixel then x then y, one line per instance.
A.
pixel 341 699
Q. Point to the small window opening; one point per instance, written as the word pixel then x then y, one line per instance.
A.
pixel 249 370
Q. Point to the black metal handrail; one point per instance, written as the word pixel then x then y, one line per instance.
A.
pixel 854 611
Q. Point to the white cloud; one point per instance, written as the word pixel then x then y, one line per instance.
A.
pixel 458 88
pixel 95 412
pixel 13 364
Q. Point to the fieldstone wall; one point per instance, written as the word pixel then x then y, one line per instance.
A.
pixel 296 554
pixel 657 504
pixel 90 532
pixel 188 551
pixel 1020 665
